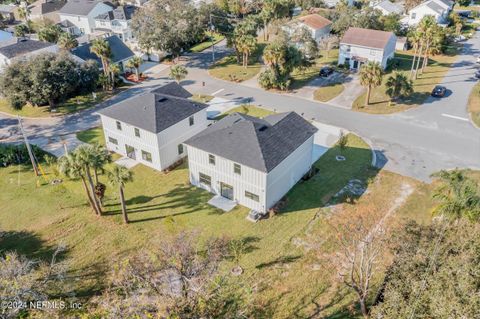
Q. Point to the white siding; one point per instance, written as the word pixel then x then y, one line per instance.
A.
pixel 371 54
pixel 283 177
pixel 146 142
pixel 170 138
pixel 86 24
pixel 250 180
pixel 4 61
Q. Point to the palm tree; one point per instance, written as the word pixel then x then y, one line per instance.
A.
pixel 459 195
pixel 274 56
pixel 24 13
pixel 72 167
pixel 100 157
pixel 371 75
pixel 178 72
pixel 67 41
pixel 415 39
pixel 114 71
pixel 246 44
pixel 118 177
pixel 426 29
pixel 398 85
pixel 134 63
pixel 88 157
pixel 101 48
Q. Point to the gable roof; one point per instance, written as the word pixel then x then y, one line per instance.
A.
pixel 389 7
pixel 447 3
pixel 153 111
pixel 367 38
pixel 40 7
pixel 315 21
pixel 16 47
pixel 261 144
pixel 435 7
pixel 120 51
pixel 119 13
pixel 81 7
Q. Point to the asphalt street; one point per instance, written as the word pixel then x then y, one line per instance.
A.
pixel 436 135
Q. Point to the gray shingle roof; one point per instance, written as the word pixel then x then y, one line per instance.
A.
pixel 435 7
pixel 120 51
pixel 17 47
pixel 261 144
pixel 390 7
pixel 154 112
pixel 80 7
pixel 119 13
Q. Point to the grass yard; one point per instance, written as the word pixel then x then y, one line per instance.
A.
pixel 208 43
pixel 434 73
pixel 474 104
pixel 75 104
pixel 92 136
pixel 228 69
pixel 326 93
pixel 302 77
pixel 251 110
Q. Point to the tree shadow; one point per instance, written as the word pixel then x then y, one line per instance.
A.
pixel 279 261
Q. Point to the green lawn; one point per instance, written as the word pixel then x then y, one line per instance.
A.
pixel 474 104
pixel 92 136
pixel 251 110
pixel 301 77
pixel 228 69
pixel 434 73
pixel 71 105
pixel 208 43
pixel 326 93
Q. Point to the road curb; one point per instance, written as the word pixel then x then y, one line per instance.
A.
pixel 370 144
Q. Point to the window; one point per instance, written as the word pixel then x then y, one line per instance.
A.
pixel 113 140
pixel 190 120
pixel 119 126
pixel 137 132
pixel 414 15
pixel 211 159
pixel 237 169
pixel 146 156
pixel 252 196
pixel 180 149
pixel 205 179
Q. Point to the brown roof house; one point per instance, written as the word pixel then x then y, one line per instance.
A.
pixel 319 26
pixel 362 45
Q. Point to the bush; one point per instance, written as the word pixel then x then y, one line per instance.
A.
pixel 17 154
pixel 268 80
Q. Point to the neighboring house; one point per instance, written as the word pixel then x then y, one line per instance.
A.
pixel 387 7
pixel 22 49
pixel 362 45
pixel 46 10
pixel 117 22
pixel 120 52
pixel 252 161
pixel 402 44
pixel 318 26
pixel 439 9
pixel 8 12
pixel 82 13
pixel 150 128
pixel 334 3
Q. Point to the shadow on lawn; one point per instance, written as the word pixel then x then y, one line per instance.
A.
pixel 280 261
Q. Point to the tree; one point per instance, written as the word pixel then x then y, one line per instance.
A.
pixel 50 33
pixel 24 13
pixel 458 195
pixel 21 30
pixel 246 44
pixel 114 72
pixel 118 177
pixel 371 75
pixel 410 4
pixel 361 236
pixel 67 41
pixel 398 85
pixel 101 48
pixel 245 36
pixel 306 43
pixel 135 63
pixel 329 43
pixel 392 23
pixel 463 3
pixel 178 72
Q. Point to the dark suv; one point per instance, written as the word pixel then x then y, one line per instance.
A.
pixel 326 71
pixel 439 91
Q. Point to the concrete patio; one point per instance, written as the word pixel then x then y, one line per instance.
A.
pixel 222 203
pixel 126 162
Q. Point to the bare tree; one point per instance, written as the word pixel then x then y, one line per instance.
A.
pixel 329 43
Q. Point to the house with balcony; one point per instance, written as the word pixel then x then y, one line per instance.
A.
pixel 253 162
pixel 359 46
pixel 117 22
pixel 150 128
pixel 439 9
pixel 318 26
pixel 79 15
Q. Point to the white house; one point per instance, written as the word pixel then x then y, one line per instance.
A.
pixel 361 45
pixel 150 128
pixel 22 49
pixel 117 22
pixel 318 26
pixel 81 14
pixel 252 161
pixel 386 7
pixel 439 9
pixel 334 3
pixel 46 10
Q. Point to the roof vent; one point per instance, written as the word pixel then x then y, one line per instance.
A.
pixel 263 128
pixel 162 99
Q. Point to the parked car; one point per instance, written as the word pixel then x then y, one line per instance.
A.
pixel 439 91
pixel 326 71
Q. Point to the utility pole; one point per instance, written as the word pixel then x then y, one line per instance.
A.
pixel 29 149
pixel 212 29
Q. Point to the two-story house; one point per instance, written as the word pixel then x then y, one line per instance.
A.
pixel 386 7
pixel 251 161
pixel 318 26
pixel 117 22
pixel 81 14
pixel 439 9
pixel 22 49
pixel 150 128
pixel 359 46
pixel 47 10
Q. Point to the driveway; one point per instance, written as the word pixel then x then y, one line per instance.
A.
pixel 352 90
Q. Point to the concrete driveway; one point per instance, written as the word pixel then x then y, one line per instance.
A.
pixel 352 90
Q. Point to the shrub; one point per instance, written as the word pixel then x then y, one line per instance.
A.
pixel 17 154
